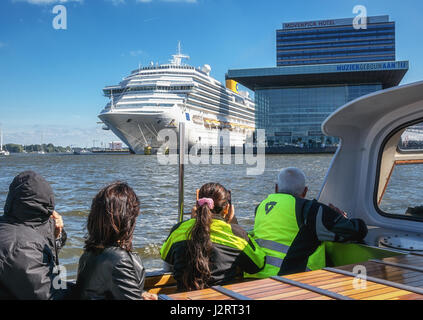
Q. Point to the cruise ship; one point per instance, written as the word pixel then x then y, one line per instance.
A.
pixel 161 96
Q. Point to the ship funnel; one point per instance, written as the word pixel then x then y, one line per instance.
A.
pixel 232 85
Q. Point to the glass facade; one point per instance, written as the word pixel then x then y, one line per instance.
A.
pixel 293 115
pixel 336 44
pixel 321 65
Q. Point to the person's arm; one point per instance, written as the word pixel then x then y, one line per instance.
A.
pixel 252 258
pixel 59 231
pixel 128 278
pixel 331 224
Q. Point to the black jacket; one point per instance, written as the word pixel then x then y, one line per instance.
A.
pixel 113 274
pixel 28 249
pixel 318 222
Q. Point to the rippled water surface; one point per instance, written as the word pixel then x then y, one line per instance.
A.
pixel 77 178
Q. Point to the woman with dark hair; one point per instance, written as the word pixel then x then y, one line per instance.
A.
pixel 109 269
pixel 211 248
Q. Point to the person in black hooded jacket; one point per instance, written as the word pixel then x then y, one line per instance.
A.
pixel 31 234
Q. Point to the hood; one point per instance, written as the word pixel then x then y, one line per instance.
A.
pixel 30 198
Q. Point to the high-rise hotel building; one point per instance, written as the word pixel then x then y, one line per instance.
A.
pixel 321 65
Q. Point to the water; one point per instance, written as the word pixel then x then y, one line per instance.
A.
pixel 76 180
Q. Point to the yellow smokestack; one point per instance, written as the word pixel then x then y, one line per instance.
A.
pixel 232 85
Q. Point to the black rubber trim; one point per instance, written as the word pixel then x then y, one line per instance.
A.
pixel 230 293
pixel 321 291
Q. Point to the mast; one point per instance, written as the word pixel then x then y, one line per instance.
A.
pixel 177 58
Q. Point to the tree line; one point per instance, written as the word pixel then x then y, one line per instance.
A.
pixel 49 148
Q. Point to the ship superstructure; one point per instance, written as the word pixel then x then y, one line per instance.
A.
pixel 156 97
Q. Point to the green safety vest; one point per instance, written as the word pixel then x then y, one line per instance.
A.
pixel 275 228
pixel 220 233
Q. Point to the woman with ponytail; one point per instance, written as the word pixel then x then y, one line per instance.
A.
pixel 210 248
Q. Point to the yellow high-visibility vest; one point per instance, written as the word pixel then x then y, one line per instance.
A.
pixel 275 228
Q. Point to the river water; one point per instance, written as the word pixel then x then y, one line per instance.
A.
pixel 76 179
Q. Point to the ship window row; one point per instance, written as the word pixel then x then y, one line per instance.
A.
pixel 222 91
pixel 234 118
pixel 219 110
pixel 334 60
pixel 227 97
pixel 165 73
pixel 143 105
pixel 221 106
pixel 339 38
pixel 153 88
pixel 212 96
pixel 335 54
pixel 229 101
pixel 283 46
pixel 164 67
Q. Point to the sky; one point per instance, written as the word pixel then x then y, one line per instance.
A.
pixel 51 79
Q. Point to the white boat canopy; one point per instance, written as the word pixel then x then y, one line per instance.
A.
pixel 370 129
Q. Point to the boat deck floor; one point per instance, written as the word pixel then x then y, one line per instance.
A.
pixel 394 278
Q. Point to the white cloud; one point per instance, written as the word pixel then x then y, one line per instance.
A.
pixel 44 2
pixel 186 1
pixel 137 53
pixel 176 1
pixel 117 2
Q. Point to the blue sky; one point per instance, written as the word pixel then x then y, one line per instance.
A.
pixel 51 80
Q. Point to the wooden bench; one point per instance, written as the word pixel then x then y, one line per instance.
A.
pixel 393 278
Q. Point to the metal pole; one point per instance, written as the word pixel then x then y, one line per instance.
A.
pixel 181 171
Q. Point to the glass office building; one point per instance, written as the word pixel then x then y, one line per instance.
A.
pixel 335 41
pixel 293 99
pixel 295 114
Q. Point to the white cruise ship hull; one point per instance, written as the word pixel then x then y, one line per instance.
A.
pixel 139 129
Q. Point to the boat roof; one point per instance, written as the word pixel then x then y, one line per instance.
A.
pixel 363 126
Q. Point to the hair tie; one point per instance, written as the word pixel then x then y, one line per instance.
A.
pixel 209 201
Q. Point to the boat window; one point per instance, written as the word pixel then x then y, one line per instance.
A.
pixel 399 192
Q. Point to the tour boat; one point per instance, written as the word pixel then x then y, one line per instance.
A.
pixel 389 262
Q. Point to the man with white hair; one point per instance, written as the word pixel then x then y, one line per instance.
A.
pixel 292 230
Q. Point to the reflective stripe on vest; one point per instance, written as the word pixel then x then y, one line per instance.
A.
pixel 272 245
pixel 273 261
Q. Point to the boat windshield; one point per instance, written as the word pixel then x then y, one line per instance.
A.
pixel 400 189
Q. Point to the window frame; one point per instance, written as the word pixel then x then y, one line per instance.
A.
pixel 378 168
